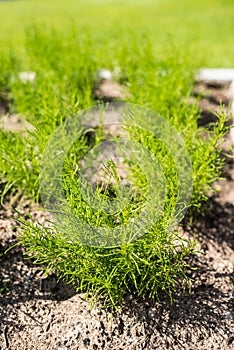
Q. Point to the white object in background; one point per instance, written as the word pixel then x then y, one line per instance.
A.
pixel 220 75
pixel 231 91
pixel 216 74
pixel 27 77
pixel 104 74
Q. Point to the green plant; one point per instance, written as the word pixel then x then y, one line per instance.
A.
pixel 65 67
pixel 4 288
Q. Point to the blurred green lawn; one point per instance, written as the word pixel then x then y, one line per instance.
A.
pixel 206 26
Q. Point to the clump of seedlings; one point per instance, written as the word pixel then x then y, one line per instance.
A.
pixel 158 258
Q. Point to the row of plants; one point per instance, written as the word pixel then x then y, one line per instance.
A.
pixel 65 67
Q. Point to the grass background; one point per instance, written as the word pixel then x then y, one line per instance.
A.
pixel 206 26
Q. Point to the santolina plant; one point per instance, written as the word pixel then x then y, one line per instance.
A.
pixel 116 178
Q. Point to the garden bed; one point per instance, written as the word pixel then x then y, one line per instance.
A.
pixel 39 313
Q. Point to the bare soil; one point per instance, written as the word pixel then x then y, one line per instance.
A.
pixel 41 313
